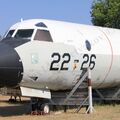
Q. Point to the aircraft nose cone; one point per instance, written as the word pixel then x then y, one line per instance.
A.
pixel 11 68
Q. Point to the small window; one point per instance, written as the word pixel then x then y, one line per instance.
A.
pixel 41 24
pixel 88 45
pixel 24 33
pixel 10 33
pixel 43 35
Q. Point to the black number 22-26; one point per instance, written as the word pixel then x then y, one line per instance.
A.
pixel 57 58
pixel 88 60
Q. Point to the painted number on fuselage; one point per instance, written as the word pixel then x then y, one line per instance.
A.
pixel 66 59
pixel 89 61
pixel 57 60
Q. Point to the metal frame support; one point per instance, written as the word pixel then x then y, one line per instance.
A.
pixel 100 94
pixel 90 108
pixel 116 94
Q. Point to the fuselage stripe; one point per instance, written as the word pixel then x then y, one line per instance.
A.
pixel 111 57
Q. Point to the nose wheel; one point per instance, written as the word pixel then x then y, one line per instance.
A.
pixel 39 106
pixel 45 108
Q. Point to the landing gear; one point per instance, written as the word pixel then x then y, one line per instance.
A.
pixel 45 108
pixel 40 106
pixel 13 99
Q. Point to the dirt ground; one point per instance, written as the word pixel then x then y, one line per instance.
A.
pixel 19 111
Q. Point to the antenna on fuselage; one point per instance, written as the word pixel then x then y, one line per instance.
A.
pixel 21 19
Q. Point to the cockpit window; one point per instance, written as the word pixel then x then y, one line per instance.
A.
pixel 10 33
pixel 41 24
pixel 24 33
pixel 43 35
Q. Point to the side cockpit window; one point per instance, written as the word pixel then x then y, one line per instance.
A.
pixel 41 24
pixel 10 33
pixel 43 35
pixel 24 33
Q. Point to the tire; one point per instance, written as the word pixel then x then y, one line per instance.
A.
pixel 45 108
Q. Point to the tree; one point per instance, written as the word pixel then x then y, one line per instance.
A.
pixel 106 13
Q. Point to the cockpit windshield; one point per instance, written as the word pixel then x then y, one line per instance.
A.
pixel 24 33
pixel 43 35
pixel 10 33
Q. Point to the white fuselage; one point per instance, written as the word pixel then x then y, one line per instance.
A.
pixel 57 65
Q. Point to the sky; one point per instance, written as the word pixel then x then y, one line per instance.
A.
pixel 11 11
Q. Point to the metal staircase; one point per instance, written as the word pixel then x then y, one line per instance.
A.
pixel 78 96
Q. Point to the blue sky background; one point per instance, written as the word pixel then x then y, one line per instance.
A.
pixel 11 11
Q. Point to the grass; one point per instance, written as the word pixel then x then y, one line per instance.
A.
pixel 18 112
